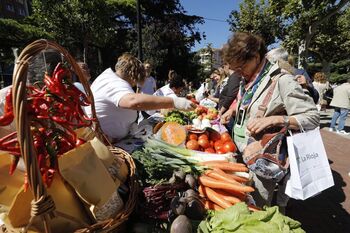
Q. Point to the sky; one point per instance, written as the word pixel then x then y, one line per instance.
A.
pixel 215 14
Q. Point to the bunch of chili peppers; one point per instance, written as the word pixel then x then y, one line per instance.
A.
pixel 54 109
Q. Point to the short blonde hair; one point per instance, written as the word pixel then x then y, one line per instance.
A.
pixel 131 67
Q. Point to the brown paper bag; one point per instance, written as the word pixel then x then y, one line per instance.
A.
pixel 9 185
pixel 85 133
pixel 66 202
pixel 83 170
pixel 116 167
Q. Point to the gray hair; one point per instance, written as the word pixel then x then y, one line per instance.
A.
pixel 277 54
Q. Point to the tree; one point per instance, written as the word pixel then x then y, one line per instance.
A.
pixel 75 24
pixel 254 17
pixel 304 27
pixel 168 34
pixel 302 20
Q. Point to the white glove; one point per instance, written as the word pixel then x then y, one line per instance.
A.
pixel 183 104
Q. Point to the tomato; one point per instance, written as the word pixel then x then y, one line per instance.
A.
pixel 220 151
pixel 211 142
pixel 229 147
pixel 203 142
pixel 209 150
pixel 192 136
pixel 192 145
pixel 214 136
pixel 203 136
pixel 225 137
pixel 218 145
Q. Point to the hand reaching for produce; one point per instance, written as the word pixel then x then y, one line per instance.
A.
pixel 183 104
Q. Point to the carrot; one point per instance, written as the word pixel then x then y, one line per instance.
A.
pixel 220 176
pixel 253 208
pixel 237 178
pixel 212 183
pixel 241 195
pixel 211 206
pixel 228 166
pixel 208 163
pixel 228 197
pixel 214 197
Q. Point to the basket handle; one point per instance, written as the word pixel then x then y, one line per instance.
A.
pixel 41 200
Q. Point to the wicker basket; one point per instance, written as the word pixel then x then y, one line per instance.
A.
pixel 43 203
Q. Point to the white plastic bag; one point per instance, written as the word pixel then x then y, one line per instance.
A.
pixel 309 166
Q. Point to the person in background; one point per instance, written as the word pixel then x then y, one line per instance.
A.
pixel 230 90
pixel 229 94
pixel 116 102
pixel 220 78
pixel 304 80
pixel 289 106
pixel 280 54
pixel 150 85
pixel 172 74
pixel 321 84
pixel 341 104
pixel 173 89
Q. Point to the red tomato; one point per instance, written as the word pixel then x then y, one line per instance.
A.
pixel 203 136
pixel 211 143
pixel 203 142
pixel 225 137
pixel 209 150
pixel 192 136
pixel 218 145
pixel 192 145
pixel 229 147
pixel 220 151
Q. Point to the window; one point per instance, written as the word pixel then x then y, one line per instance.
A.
pixel 10 7
pixel 21 12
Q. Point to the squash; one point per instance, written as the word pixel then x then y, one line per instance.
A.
pixel 173 133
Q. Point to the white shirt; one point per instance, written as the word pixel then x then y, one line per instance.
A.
pixel 165 91
pixel 108 89
pixel 149 86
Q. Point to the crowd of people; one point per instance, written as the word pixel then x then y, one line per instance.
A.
pixel 255 91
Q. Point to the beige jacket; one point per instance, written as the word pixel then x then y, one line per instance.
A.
pixel 288 98
pixel 341 96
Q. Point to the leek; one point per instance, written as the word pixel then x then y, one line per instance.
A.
pixel 183 153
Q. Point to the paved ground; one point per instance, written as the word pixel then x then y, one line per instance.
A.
pixel 329 211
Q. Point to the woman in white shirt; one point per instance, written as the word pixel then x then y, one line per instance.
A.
pixel 116 102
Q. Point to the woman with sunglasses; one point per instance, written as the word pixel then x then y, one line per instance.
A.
pixel 287 106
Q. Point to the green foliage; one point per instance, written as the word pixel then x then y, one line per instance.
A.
pixel 254 17
pixel 14 33
pixel 338 78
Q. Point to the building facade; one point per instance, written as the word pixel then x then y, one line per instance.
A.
pixel 210 58
pixel 14 9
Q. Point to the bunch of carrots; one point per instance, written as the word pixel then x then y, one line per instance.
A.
pixel 220 188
